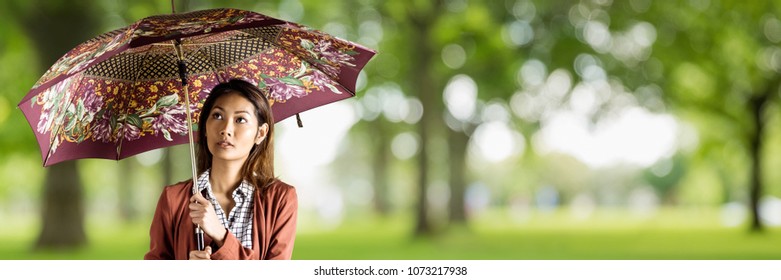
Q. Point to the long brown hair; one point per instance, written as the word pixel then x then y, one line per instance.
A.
pixel 258 169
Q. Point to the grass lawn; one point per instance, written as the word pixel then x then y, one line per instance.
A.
pixel 669 235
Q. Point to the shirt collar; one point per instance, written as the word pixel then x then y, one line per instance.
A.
pixel 244 190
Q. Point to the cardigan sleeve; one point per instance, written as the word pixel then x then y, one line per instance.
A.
pixel 284 226
pixel 160 239
pixel 231 249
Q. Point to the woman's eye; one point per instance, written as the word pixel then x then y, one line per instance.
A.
pixel 241 120
pixel 216 116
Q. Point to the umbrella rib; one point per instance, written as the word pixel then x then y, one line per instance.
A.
pixel 210 60
pixel 213 65
pixel 205 43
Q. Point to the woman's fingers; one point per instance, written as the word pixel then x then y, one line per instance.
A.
pixel 198 208
pixel 198 211
pixel 202 213
pixel 198 197
pixel 206 254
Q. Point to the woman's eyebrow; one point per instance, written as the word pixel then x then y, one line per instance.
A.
pixel 235 112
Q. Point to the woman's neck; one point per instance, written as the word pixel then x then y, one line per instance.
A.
pixel 224 177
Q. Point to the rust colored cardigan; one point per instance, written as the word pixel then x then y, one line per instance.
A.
pixel 172 234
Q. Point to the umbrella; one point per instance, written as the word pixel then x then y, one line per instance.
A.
pixel 140 87
pixel 120 93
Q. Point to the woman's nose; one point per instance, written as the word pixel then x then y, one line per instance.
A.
pixel 227 130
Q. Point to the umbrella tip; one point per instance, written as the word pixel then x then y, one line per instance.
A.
pixel 298 120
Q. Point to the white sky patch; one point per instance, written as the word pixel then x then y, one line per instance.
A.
pixel 633 136
pixel 461 97
pixel 495 141
pixel 404 145
pixel 301 153
pixel 316 142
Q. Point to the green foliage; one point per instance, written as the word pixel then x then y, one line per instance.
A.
pixel 693 83
pixel 665 176
pixel 15 81
pixel 696 187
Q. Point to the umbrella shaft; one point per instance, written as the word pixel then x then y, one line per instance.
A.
pixel 190 134
pixel 183 76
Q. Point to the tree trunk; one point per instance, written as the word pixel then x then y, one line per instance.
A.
pixel 54 28
pixel 380 166
pixel 63 209
pixel 755 149
pixel 457 152
pixel 422 225
pixel 422 78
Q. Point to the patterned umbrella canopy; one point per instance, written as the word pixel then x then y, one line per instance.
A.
pixel 120 93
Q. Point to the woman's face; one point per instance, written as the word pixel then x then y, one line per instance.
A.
pixel 232 128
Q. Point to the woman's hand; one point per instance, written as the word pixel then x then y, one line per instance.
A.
pixel 206 254
pixel 202 214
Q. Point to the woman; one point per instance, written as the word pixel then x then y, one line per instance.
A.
pixel 244 211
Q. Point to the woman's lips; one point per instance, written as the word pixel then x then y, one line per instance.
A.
pixel 224 144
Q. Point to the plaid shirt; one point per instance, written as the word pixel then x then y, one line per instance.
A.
pixel 239 220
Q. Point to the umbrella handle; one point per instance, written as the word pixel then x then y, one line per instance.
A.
pixel 199 238
pixel 199 243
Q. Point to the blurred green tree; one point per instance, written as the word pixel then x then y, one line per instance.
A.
pixel 63 196
pixel 416 21
pixel 726 73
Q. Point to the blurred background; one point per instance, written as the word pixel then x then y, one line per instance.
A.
pixel 494 129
